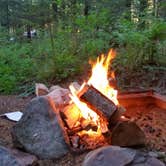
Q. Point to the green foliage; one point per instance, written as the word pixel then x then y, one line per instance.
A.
pixel 16 67
pixel 139 47
pixel 68 35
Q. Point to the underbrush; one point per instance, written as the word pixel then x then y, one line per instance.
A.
pixel 22 63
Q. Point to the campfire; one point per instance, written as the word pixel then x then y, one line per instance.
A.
pixel 93 108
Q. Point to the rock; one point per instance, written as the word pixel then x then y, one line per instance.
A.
pixel 153 154
pixel 116 117
pixel 40 130
pixel 117 156
pixel 13 157
pixel 151 161
pixel 60 96
pixel 7 159
pixel 109 155
pixel 144 159
pixel 76 85
pixel 52 88
pixel 25 159
pixel 140 158
pixel 41 89
pixel 127 134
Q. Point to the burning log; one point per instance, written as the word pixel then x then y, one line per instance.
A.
pixel 103 106
pixel 116 117
pixel 71 116
pixel 87 125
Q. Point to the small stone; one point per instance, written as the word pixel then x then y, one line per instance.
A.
pixel 153 154
pixel 161 154
pixel 75 141
pixel 41 89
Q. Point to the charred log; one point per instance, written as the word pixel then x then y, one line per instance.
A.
pixel 103 106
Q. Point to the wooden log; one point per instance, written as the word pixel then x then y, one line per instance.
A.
pixel 116 117
pixel 71 115
pixel 88 124
pixel 103 106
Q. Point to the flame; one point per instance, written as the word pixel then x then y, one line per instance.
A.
pixel 87 113
pixel 99 75
pixel 100 81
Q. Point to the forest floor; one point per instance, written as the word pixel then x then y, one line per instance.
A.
pixel 152 122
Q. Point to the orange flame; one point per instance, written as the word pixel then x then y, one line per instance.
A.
pixel 99 78
pixel 100 81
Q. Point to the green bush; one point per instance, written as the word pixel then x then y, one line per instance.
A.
pixel 16 67
pixel 137 48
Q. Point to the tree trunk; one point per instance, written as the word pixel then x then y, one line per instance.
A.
pixel 7 17
pixel 142 13
pixel 28 31
pixel 86 8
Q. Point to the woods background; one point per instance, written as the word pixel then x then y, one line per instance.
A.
pixel 66 33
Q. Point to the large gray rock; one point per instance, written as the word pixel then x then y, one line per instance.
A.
pixel 40 130
pixel 117 156
pixel 13 157
pixel 109 156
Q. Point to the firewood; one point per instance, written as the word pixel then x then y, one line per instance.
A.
pixel 71 115
pixel 74 130
pixel 103 106
pixel 116 117
pixel 88 124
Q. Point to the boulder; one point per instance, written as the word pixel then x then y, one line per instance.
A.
pixel 110 155
pixel 40 130
pixel 127 134
pixel 117 156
